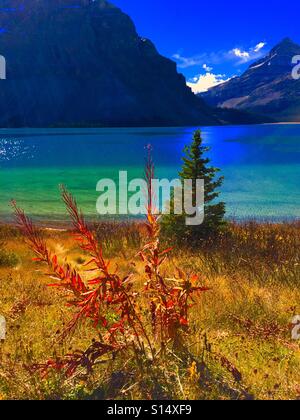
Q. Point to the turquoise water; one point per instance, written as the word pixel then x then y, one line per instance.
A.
pixel 261 165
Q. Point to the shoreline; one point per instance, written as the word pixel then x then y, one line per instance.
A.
pixel 283 123
pixel 64 226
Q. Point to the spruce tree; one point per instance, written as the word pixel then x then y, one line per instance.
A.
pixel 196 166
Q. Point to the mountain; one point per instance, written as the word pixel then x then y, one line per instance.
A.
pixel 81 62
pixel 267 88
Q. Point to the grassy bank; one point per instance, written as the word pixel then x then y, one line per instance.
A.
pixel 238 345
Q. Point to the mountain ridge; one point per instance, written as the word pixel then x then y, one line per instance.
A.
pixel 265 88
pixel 83 64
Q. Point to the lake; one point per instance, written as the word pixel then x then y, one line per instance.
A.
pixel 261 165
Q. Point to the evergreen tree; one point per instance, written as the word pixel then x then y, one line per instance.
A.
pixel 196 166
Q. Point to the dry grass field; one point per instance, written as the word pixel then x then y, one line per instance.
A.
pixel 238 344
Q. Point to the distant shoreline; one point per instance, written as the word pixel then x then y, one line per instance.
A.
pixel 121 127
pixel 283 123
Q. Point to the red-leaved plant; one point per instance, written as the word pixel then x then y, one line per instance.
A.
pixel 161 322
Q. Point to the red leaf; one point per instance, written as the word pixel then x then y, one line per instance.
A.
pixel 166 251
pixel 184 321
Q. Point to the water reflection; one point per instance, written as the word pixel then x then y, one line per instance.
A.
pixel 14 150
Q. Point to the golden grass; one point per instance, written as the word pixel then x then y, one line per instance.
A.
pixel 254 275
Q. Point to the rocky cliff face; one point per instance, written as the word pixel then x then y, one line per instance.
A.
pixel 266 88
pixel 81 62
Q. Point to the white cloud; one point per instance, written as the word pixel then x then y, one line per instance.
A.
pixel 207 68
pixel 253 53
pixel 241 54
pixel 185 62
pixel 259 46
pixel 197 60
pixel 238 55
pixel 203 82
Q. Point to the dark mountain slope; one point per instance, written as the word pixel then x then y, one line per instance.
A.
pixel 81 62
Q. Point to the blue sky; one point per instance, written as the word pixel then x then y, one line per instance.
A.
pixel 213 39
